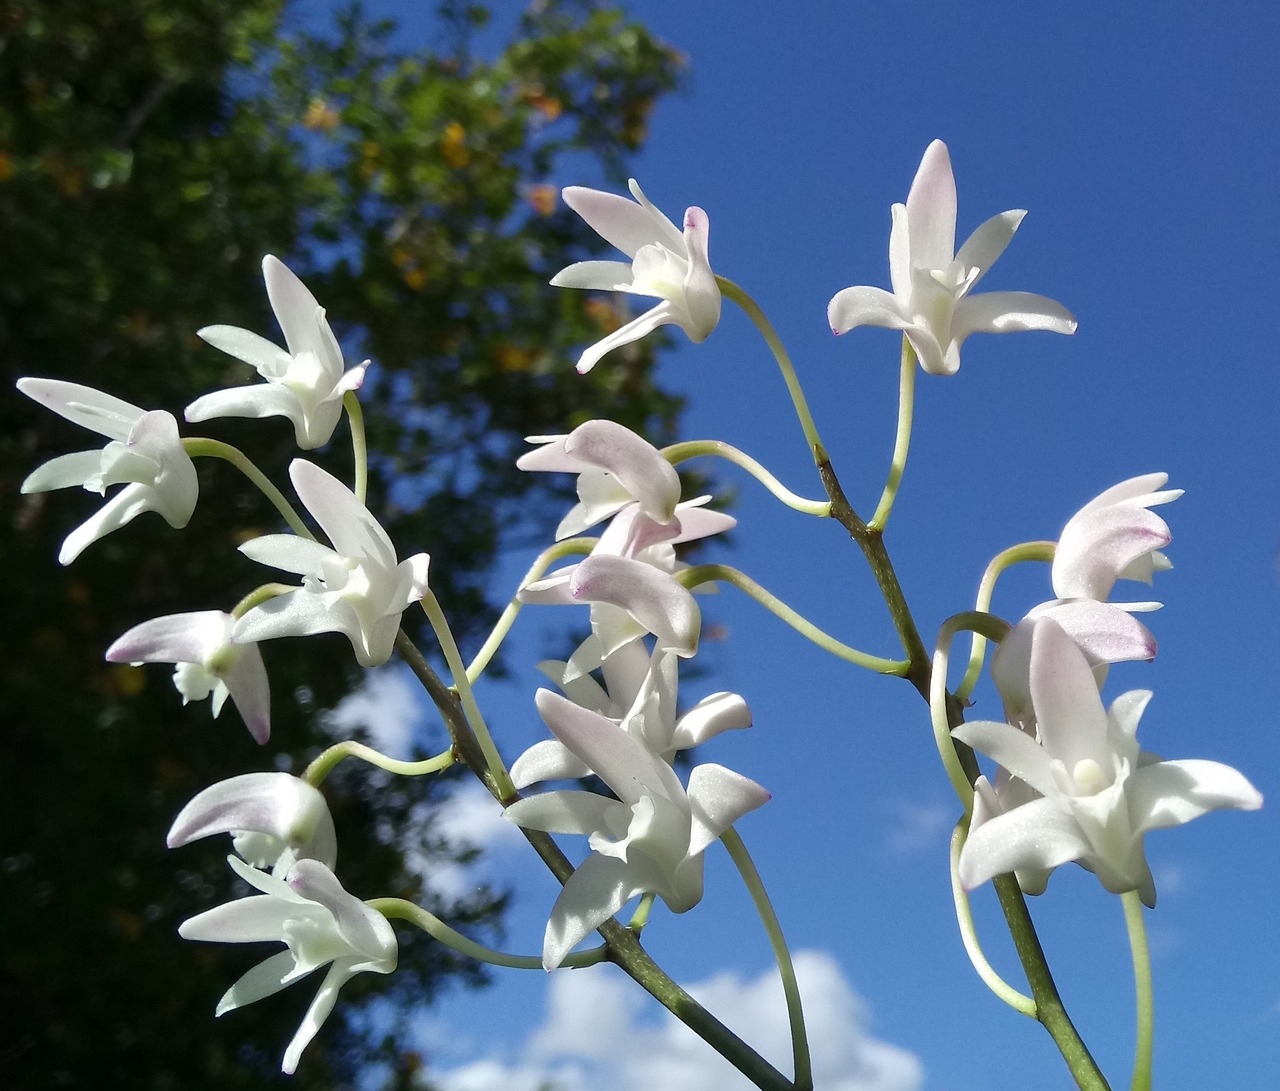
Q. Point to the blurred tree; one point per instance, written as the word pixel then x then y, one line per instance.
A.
pixel 151 151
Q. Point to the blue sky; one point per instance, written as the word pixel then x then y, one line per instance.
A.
pixel 1141 138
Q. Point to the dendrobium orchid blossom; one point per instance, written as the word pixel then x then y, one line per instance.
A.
pixel 649 714
pixel 666 263
pixel 356 588
pixel 615 467
pixel 318 921
pixel 304 382
pixel 1114 536
pixel 275 819
pixel 1098 794
pixel 650 839
pixel 208 663
pixel 145 455
pixel 629 598
pixel 931 301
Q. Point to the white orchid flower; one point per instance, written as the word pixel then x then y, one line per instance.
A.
pixel 666 263
pixel 318 921
pixel 1098 794
pixel 931 301
pixel 145 455
pixel 1114 536
pixel 649 714
pixel 357 587
pixel 275 819
pixel 208 663
pixel 304 382
pixel 651 839
pixel 615 467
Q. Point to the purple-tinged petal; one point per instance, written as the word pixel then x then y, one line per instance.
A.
pixel 636 464
pixel 175 638
pixel 1069 715
pixel 647 594
pixel 277 804
pixel 701 292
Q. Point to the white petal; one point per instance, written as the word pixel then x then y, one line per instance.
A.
pixel 1009 312
pixel 564 812
pixel 1011 748
pixel 931 209
pixel 636 464
pixel 718 797
pixel 602 276
pixel 987 243
pixel 255 919
pixel 64 471
pixel 126 505
pixel 348 524
pixel 620 222
pixel 1169 793
pixel 266 357
pixel 663 314
pixel 1038 835
pixel 300 316
pixel 318 1011
pixel 289 553
pixel 595 892
pixel 709 717
pixel 247 683
pixel 865 306
pixel 299 613
pixel 265 979
pixel 546 760
pixel 1070 718
pixel 102 413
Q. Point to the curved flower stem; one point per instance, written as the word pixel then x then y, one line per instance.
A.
pixel 399 909
pixel 680 452
pixel 1025 551
pixel 939 716
pixel 795 1014
pixel 323 765
pixel 902 441
pixel 707 573
pixel 200 447
pixel 431 607
pixel 624 944
pixel 753 311
pixel 260 595
pixel 1142 983
pixel 969 935
pixel 498 635
pixel 359 448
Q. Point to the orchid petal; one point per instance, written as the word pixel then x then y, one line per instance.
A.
pixel 718 797
pixel 931 209
pixel 1036 835
pixel 865 306
pixel 1169 793
pixel 600 887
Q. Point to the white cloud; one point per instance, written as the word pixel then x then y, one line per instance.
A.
pixel 470 816
pixel 919 827
pixel 596 1035
pixel 389 705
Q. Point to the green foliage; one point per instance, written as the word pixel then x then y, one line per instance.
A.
pixel 150 152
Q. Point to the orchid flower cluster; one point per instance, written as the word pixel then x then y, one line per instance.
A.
pixel 1068 781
